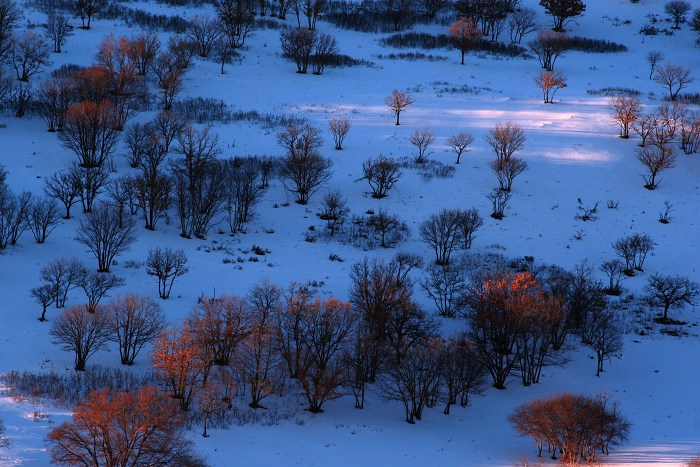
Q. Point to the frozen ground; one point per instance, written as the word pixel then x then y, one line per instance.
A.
pixel 572 150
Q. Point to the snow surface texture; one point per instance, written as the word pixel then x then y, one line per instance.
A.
pixel 572 150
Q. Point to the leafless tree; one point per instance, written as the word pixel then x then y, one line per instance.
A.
pixel 414 381
pixel 44 296
pixel 204 32
pixel 633 250
pixel 385 225
pixel 655 159
pixel 604 335
pixel 507 170
pixel 30 53
pixel 654 57
pixel 133 321
pixel 198 181
pixel 459 143
pixel 90 131
pixel 334 210
pixel 464 34
pixel 548 46
pixel 153 195
pixel 673 77
pixel 90 182
pixel 53 99
pixel 447 285
pixel 81 332
pixel 382 174
pixel 461 371
pixel 298 45
pixel 167 265
pixel 238 19
pixel 505 140
pixel 550 82
pixel 431 8
pixel 625 112
pixel 99 231
pixel 400 13
pixel 670 292
pixel 168 126
pixel 677 9
pixel 339 128
pixel 14 209
pixel 303 169
pixel 499 199
pixel 63 275
pixel 521 22
pixel 169 72
pixel 10 14
pixel 563 11
pixel 43 217
pixel 421 139
pixel 397 101
pixel 614 271
pixel 644 126
pixel 145 47
pixel 97 285
pixel 325 49
pixel 443 233
pixel 58 29
pixel 690 134
pixel 86 9
pixel 470 222
pixel 243 190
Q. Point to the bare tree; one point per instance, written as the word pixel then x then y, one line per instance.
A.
pixel 90 181
pixel 670 292
pixel 10 14
pixel 470 222
pixel 133 321
pixel 563 11
pixel 460 143
pixel 90 131
pixel 397 101
pixel 44 296
pixel 238 19
pixel 550 82
pixel 243 190
pixel 386 225
pixel 339 128
pixel 382 174
pixel 324 51
pixel 443 233
pixel 421 139
pixel 499 199
pixel 298 45
pixel 120 427
pixel 655 159
pixel 673 77
pixel 81 332
pixel 633 250
pixel 505 140
pixel 167 265
pixel 677 9
pixel 464 34
pixel 447 285
pixel 63 275
pixel 30 53
pixel 99 231
pixel 614 270
pixel 145 47
pixel 121 191
pixel 644 126
pixel 14 209
pixel 97 285
pixel 604 335
pixel 169 127
pixel 461 371
pixel 53 99
pixel 507 170
pixel 625 112
pixel 334 210
pixel 42 218
pixel 86 9
pixel 204 32
pixel 303 169
pixel 654 57
pixel 521 22
pixel 58 29
pixel 548 46
pixel 169 71
pixel 414 381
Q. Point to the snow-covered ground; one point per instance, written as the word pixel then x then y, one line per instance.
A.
pixel 572 150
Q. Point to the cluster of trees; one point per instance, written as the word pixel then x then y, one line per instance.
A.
pixel 575 425
pixel 658 129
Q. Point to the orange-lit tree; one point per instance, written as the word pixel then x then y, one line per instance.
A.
pixel 464 33
pixel 115 427
pixel 90 131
